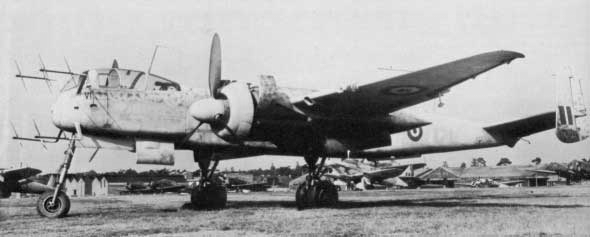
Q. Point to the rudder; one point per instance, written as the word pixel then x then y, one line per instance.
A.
pixel 572 122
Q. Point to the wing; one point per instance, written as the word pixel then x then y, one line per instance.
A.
pixel 512 182
pixel 252 186
pixel 18 174
pixel 395 93
pixel 174 188
pixel 386 173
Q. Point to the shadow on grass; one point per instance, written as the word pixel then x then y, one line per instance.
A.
pixel 470 201
pixel 442 202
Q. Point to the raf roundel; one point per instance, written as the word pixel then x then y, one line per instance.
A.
pixel 402 90
pixel 415 134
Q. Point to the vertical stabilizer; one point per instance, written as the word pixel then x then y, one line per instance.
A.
pixel 572 118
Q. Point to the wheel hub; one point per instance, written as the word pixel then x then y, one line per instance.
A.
pixel 52 206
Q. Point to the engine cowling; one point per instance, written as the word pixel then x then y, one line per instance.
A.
pixel 231 115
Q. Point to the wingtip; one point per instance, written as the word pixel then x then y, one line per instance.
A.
pixel 512 54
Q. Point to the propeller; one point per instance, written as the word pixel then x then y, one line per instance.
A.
pixel 211 110
pixel 215 67
pixel 233 100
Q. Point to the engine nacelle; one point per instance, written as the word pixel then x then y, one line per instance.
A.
pixel 34 187
pixel 238 120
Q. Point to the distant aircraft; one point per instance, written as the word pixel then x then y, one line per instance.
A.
pixel 18 181
pixel 374 173
pixel 575 170
pixel 239 185
pixel 490 183
pixel 159 186
pixel 134 110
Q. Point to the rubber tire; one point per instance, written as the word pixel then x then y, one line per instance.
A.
pixel 209 197
pixel 302 196
pixel 322 194
pixel 325 194
pixel 62 201
pixel 4 191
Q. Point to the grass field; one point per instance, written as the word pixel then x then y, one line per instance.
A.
pixel 563 210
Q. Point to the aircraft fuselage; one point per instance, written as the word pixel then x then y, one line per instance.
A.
pixel 126 115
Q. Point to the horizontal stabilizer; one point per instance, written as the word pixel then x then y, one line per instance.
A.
pixel 511 132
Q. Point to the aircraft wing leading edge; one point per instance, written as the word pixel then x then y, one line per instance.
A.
pixel 385 96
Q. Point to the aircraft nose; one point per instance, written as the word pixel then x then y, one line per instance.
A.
pixel 61 112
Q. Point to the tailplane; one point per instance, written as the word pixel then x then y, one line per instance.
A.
pixel 572 121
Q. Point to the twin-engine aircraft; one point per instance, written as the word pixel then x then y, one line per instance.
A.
pixel 116 108
pixel 364 175
pixel 19 181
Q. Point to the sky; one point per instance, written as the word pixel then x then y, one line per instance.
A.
pixel 310 44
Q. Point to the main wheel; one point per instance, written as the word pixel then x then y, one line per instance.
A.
pixel 321 194
pixel 59 209
pixel 212 196
pixel 4 191
pixel 326 194
pixel 302 199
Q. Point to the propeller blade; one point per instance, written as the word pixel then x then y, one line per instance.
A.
pixel 190 134
pixel 115 64
pixel 215 66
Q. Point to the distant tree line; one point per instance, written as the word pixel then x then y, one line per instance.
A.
pixel 131 173
pixel 298 170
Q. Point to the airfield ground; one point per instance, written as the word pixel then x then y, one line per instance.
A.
pixel 561 210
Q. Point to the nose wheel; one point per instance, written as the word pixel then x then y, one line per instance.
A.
pixel 53 209
pixel 315 192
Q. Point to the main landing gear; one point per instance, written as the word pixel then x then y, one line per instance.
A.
pixel 56 204
pixel 210 193
pixel 315 192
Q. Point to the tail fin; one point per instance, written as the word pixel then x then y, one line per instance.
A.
pixel 572 121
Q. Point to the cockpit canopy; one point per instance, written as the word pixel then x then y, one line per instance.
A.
pixel 116 78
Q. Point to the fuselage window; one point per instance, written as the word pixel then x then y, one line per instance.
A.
pixel 102 80
pixel 113 80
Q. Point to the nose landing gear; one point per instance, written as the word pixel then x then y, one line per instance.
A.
pixel 56 204
pixel 315 192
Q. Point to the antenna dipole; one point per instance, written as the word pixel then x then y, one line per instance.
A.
pixel 151 64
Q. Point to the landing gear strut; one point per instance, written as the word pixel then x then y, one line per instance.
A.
pixel 56 204
pixel 210 193
pixel 315 192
